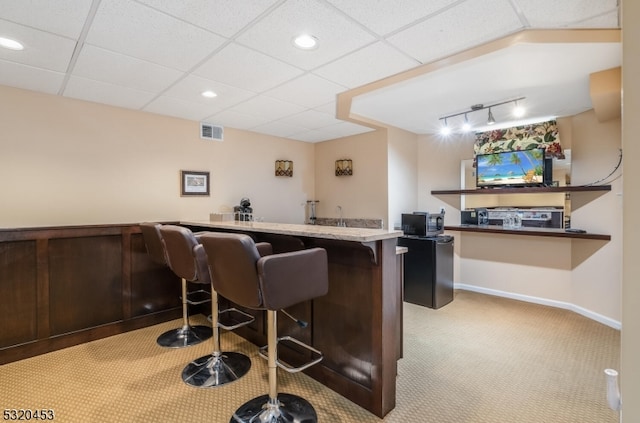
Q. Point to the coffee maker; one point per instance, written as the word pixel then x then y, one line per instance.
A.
pixel 243 212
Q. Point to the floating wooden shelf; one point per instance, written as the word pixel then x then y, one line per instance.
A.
pixel 522 190
pixel 557 233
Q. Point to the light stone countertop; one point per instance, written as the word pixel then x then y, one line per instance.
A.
pixel 313 231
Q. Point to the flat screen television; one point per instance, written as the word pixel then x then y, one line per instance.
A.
pixel 513 169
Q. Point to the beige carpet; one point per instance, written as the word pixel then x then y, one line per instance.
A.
pixel 478 359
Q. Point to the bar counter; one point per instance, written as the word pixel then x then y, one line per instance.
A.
pixel 315 231
pixel 358 324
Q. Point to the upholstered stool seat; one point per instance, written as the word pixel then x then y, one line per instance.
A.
pixel 187 259
pixel 186 335
pixel 270 283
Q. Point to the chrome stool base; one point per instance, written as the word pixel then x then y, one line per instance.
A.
pixel 289 408
pixel 215 370
pixel 184 336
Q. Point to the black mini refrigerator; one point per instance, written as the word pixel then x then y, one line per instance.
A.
pixel 428 270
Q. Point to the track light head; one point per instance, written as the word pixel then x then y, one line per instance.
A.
pixel 466 126
pixel 518 111
pixel 490 119
pixel 445 130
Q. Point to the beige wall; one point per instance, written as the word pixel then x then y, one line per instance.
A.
pixel 362 195
pixel 630 363
pixel 439 169
pixel 536 269
pixel 70 162
pixel 597 281
pixel 403 174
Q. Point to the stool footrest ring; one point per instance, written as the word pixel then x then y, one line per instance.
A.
pixel 199 296
pixel 231 324
pixel 284 365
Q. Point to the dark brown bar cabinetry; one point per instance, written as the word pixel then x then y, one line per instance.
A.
pixel 64 286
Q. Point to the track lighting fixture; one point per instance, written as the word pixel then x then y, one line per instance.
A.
pixel 518 111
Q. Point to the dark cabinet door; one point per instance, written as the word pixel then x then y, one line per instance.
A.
pixel 418 270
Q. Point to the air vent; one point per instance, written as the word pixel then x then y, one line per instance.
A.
pixel 209 131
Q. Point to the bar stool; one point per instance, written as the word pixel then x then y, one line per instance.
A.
pixel 186 335
pixel 188 260
pixel 153 242
pixel 268 283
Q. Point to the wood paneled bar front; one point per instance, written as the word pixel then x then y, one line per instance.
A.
pixel 62 286
pixel 356 324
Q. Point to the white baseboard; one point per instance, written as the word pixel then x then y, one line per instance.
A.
pixel 544 301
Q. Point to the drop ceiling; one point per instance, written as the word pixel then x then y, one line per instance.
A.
pixel 158 56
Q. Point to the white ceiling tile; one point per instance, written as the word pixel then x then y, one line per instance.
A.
pixel 30 78
pixel 100 92
pixel 469 23
pixel 329 108
pixel 553 13
pixel 369 64
pixel 267 107
pixel 337 35
pixel 246 68
pixel 62 17
pixel 236 119
pixel 41 49
pixel 114 68
pixel 308 90
pixel 311 119
pixel 385 16
pixel 137 30
pixel 344 129
pixel 608 20
pixel 309 136
pixel 278 129
pixel 224 17
pixel 191 88
pixel 170 106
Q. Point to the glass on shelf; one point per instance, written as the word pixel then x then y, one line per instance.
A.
pixel 517 220
pixel 507 221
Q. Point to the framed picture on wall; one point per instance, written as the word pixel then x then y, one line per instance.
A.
pixel 194 183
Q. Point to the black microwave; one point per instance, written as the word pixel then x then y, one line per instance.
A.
pixel 422 224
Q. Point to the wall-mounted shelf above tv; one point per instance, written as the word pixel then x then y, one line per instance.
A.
pixel 522 190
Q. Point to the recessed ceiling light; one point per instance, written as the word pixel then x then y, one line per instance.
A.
pixel 305 42
pixel 209 94
pixel 10 44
